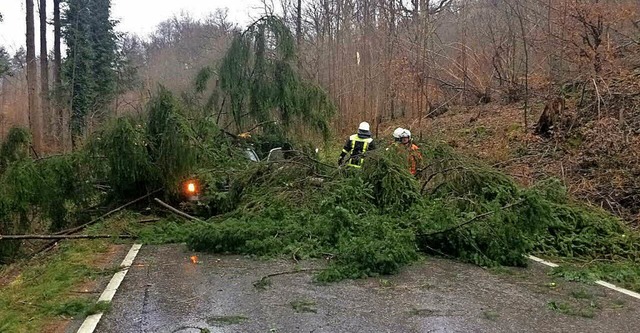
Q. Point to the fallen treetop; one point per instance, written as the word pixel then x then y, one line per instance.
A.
pixel 2 237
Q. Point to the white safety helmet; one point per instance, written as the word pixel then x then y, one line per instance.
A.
pixel 405 134
pixel 364 126
pixel 397 132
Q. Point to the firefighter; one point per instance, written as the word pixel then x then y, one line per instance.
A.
pixel 396 137
pixel 396 134
pixel 413 150
pixel 357 145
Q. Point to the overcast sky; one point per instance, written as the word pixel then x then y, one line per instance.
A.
pixel 137 16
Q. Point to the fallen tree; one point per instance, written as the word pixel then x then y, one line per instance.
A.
pixel 376 220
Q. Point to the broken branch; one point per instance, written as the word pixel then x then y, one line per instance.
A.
pixel 96 220
pixel 477 217
pixel 63 236
pixel 176 211
pixel 155 219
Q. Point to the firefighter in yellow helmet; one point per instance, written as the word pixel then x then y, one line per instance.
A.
pixel 357 145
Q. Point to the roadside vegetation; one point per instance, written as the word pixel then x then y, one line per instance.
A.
pixel 50 289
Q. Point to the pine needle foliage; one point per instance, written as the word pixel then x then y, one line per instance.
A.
pixel 394 189
pixel 15 147
pixel 88 73
pixel 54 187
pixel 17 189
pixel 160 150
pixel 62 189
pixel 260 84
pixel 126 158
pixel 375 220
pixel 171 146
pixel 203 76
pixel 123 144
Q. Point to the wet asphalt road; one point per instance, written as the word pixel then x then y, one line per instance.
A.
pixel 165 292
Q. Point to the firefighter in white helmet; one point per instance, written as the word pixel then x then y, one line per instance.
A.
pixel 357 145
pixel 396 137
pixel 413 151
pixel 397 133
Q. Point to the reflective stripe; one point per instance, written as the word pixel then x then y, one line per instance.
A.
pixel 356 160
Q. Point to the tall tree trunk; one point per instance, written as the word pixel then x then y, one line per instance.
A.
pixel 299 24
pixel 44 72
pixel 463 37
pixel 526 67
pixel 57 54
pixel 299 33
pixel 35 118
pixel 366 62
pixel 550 58
pixel 61 114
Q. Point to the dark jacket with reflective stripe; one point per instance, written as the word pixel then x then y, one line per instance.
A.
pixel 356 145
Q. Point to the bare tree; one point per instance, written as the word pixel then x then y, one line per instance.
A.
pixel 593 35
pixel 518 11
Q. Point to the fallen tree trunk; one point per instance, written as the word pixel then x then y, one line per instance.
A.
pixel 176 211
pixel 63 236
pixel 155 219
pixel 98 219
pixel 51 245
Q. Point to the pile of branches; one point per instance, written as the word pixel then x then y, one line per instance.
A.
pixel 381 218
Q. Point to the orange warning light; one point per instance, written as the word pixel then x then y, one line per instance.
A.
pixel 191 187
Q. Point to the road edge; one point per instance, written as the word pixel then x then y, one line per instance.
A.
pixel 91 322
pixel 598 282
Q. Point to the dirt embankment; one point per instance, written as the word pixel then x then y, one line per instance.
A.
pixel 598 159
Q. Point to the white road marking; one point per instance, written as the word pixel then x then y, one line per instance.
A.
pixel 600 282
pixel 90 323
pixel 544 262
pixel 616 288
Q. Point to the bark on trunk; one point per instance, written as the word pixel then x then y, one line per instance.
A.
pixel 61 114
pixel 44 73
pixel 35 117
